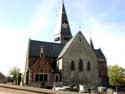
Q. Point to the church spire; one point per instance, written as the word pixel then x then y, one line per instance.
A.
pixel 63 34
pixel 91 43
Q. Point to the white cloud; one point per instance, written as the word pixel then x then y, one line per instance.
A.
pixel 41 18
pixel 14 42
pixel 12 50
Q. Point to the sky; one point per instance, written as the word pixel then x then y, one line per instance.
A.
pixel 21 20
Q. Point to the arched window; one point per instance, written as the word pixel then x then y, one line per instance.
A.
pixel 57 78
pixel 72 65
pixel 80 40
pixel 88 66
pixel 80 65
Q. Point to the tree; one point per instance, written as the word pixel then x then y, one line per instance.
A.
pixel 116 75
pixel 15 74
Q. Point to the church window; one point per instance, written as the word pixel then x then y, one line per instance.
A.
pixel 36 77
pixel 45 78
pixel 57 78
pixel 80 65
pixel 72 65
pixel 65 21
pixel 80 40
pixel 88 66
pixel 41 77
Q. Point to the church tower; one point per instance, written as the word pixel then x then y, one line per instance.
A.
pixel 63 33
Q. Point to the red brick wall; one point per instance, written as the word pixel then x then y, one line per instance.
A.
pixel 102 66
pixel 32 60
pixel 42 65
pixel 103 74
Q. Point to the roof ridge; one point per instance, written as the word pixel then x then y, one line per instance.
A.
pixel 46 42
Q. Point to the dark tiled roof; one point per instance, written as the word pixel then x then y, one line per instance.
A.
pixel 99 54
pixel 50 49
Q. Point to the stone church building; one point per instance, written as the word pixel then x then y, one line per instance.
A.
pixel 70 60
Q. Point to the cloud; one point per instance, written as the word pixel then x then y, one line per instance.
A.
pixel 12 50
pixel 41 18
pixel 14 41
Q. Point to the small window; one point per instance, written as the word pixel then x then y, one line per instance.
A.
pixel 65 38
pixel 65 25
pixel 80 65
pixel 36 77
pixel 65 21
pixel 57 78
pixel 72 66
pixel 80 40
pixel 57 39
pixel 88 66
pixel 41 77
pixel 45 77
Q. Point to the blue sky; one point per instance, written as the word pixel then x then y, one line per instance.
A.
pixel 36 19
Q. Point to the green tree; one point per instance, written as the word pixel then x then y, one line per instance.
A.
pixel 116 75
pixel 15 74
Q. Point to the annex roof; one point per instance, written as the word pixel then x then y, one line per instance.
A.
pixel 50 49
pixel 99 54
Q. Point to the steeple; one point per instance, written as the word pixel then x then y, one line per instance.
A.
pixel 91 43
pixel 63 33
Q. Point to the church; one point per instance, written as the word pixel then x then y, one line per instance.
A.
pixel 69 60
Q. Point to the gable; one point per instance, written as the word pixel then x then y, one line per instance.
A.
pixel 41 65
pixel 77 45
pixel 79 51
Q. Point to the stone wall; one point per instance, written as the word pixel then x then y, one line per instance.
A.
pixel 79 49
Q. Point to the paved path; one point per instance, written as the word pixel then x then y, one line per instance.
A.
pixel 13 91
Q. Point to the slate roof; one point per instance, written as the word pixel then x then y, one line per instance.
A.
pixel 50 49
pixel 61 20
pixel 99 54
pixel 65 31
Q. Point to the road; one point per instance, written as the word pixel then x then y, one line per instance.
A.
pixel 13 91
